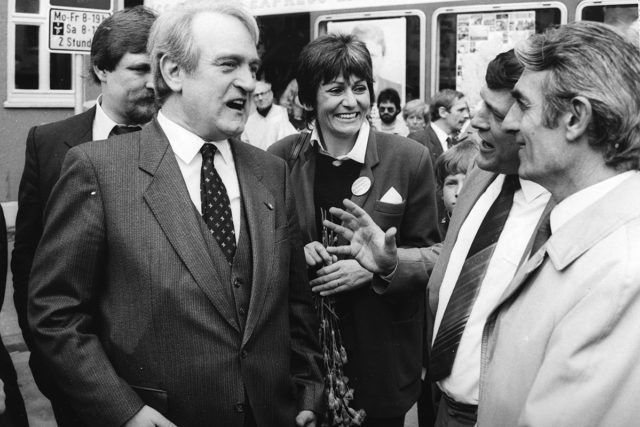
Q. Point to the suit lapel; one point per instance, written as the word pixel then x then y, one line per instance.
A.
pixel 478 181
pixel 436 146
pixel 259 205
pixel 371 160
pixel 303 174
pixel 83 129
pixel 168 199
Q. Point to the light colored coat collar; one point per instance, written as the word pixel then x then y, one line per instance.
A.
pixel 582 232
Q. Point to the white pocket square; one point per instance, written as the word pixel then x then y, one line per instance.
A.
pixel 392 197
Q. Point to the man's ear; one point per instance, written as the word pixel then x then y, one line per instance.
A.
pixel 101 74
pixel 578 117
pixel 172 74
pixel 443 112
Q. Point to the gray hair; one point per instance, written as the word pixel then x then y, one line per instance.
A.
pixel 594 61
pixel 172 36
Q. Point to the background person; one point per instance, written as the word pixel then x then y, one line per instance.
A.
pixel 416 115
pixel 270 122
pixel 171 289
pixel 390 120
pixel 451 170
pixel 390 177
pixel 120 65
pixel 12 410
pixel 449 112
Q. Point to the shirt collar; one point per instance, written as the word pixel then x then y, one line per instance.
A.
pixel 186 144
pixel 577 202
pixel 102 123
pixel 442 135
pixel 359 150
pixel 532 191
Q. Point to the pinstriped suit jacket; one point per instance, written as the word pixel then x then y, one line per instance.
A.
pixel 131 309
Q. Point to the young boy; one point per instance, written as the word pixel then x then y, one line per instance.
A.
pixel 451 169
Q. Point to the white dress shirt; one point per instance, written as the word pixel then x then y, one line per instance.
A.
pixel 102 123
pixel 442 136
pixel 579 201
pixel 528 203
pixel 186 147
pixel 358 151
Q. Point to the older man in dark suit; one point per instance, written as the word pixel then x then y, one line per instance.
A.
pixel 121 67
pixel 170 283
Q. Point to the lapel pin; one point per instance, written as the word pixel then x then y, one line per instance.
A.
pixel 268 205
pixel 361 186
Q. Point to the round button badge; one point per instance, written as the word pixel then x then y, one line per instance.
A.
pixel 361 186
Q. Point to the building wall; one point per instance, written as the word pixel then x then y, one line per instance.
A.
pixel 16 122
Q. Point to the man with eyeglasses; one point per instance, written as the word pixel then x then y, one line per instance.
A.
pixel 270 122
pixel 390 120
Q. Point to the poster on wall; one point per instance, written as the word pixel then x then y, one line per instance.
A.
pixel 386 40
pixel 480 37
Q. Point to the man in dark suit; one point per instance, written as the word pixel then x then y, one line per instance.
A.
pixel 449 112
pixel 169 285
pixel 494 203
pixel 121 67
pixel 14 413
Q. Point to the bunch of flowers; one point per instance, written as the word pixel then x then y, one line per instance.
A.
pixel 338 393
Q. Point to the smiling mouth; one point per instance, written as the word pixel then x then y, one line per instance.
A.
pixel 347 116
pixel 237 104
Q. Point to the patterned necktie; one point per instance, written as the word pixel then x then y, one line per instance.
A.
pixel 121 130
pixel 216 207
pixel 468 284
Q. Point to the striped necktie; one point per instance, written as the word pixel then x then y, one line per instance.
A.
pixel 467 286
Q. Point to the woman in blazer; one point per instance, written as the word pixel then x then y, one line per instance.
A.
pixel 392 179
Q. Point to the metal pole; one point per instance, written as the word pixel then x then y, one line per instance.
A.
pixel 78 84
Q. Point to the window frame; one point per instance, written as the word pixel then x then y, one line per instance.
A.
pixel 34 98
pixel 589 3
pixel 483 8
pixel 398 13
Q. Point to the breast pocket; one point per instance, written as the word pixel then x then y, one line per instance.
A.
pixel 388 215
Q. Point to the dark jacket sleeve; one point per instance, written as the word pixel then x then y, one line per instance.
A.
pixel 28 232
pixel 306 359
pixel 65 285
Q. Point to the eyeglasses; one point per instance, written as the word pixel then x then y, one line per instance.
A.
pixel 389 109
pixel 261 94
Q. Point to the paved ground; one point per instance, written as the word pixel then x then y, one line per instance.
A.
pixel 38 408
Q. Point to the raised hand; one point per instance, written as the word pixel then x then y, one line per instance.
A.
pixel 373 248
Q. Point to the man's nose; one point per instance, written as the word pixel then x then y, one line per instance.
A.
pixel 246 79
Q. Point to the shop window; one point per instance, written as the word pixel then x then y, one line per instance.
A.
pixel 621 15
pixel 396 42
pixel 35 77
pixel 468 37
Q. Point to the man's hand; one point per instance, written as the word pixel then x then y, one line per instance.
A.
pixel 306 418
pixel 315 254
pixel 148 417
pixel 374 249
pixel 341 276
